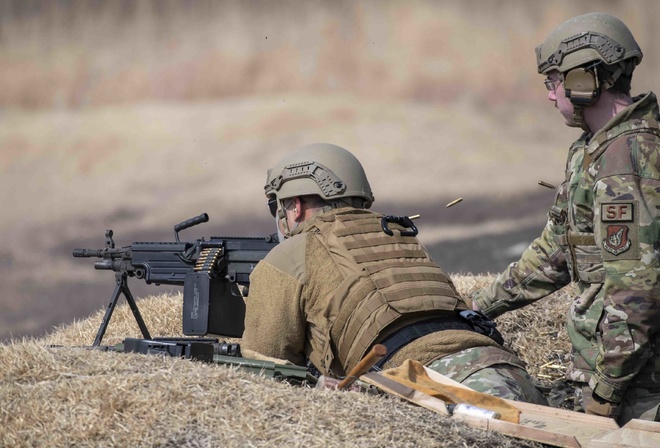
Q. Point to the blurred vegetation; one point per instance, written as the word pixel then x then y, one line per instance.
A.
pixel 137 114
pixel 78 53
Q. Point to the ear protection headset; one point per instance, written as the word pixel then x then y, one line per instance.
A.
pixel 582 86
pixel 583 90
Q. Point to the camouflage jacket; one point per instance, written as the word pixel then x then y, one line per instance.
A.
pixel 603 232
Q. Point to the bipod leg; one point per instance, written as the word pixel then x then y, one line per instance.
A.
pixel 121 288
pixel 120 279
pixel 136 311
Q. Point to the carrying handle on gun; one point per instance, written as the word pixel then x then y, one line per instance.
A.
pixel 189 223
pixel 374 355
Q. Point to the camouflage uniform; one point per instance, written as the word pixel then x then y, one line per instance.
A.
pixel 603 233
pixel 340 284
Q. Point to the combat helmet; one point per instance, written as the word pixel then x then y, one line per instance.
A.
pixel 322 169
pixel 581 47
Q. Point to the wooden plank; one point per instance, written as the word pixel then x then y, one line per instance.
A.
pixel 535 409
pixel 635 434
pixel 435 404
pixel 520 431
pixel 584 427
pixel 643 425
pixel 393 387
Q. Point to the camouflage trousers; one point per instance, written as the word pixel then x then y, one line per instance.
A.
pixel 638 402
pixel 490 370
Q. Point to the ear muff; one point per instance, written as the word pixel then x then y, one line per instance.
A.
pixel 581 86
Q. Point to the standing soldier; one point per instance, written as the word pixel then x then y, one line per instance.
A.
pixel 344 278
pixel 603 232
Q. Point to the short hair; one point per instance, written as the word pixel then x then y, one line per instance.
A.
pixel 316 201
pixel 623 82
pixel 313 200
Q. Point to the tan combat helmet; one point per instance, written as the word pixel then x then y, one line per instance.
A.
pixel 322 169
pixel 580 47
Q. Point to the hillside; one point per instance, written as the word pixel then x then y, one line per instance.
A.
pixel 75 397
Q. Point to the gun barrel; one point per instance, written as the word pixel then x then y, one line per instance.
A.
pixel 88 253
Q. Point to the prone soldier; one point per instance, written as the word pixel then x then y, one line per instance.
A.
pixel 344 278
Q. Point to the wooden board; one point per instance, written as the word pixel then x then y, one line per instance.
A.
pixel 552 426
pixel 512 429
pixel 582 427
pixel 546 436
pixel 634 434
pixel 395 388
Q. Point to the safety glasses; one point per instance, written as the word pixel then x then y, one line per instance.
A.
pixel 272 206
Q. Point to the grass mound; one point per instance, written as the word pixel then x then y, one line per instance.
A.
pixel 75 397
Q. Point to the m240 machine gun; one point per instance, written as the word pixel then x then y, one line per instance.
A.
pixel 210 271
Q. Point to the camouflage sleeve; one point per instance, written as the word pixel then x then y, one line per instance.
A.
pixel 274 322
pixel 540 271
pixel 627 227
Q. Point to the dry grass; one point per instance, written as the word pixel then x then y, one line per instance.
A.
pixel 537 333
pixel 76 53
pixel 72 398
pixel 137 115
pixel 162 315
pixel 76 397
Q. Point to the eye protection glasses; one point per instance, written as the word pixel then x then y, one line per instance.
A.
pixel 272 206
pixel 551 84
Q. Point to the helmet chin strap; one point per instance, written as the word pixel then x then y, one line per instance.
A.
pixel 578 118
pixel 281 218
pixel 288 233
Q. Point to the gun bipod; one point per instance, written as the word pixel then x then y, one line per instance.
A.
pixel 122 288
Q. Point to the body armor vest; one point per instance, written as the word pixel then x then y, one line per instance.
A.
pixel 388 282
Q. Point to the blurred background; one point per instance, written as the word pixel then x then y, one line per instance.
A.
pixel 137 115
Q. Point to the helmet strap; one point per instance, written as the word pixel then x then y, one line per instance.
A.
pixel 281 219
pixel 609 82
pixel 578 118
pixel 583 90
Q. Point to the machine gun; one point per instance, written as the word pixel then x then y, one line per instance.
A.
pixel 210 272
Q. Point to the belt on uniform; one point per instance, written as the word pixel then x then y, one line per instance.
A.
pixel 465 320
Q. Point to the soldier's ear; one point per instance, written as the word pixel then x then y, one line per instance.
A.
pixel 298 211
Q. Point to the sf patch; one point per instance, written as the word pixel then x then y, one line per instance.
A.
pixel 620 230
pixel 617 211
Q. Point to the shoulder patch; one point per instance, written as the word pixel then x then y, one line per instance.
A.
pixel 617 211
pixel 619 228
pixel 616 241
